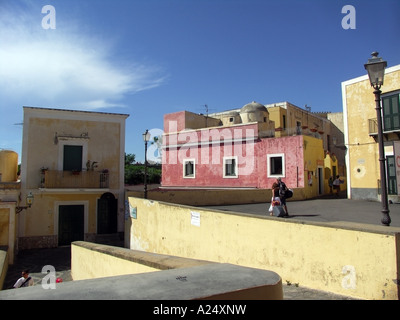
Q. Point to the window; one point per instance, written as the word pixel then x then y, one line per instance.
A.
pixel 276 165
pixel 391 112
pixel 72 158
pixel 230 167
pixel 391 175
pixel 189 168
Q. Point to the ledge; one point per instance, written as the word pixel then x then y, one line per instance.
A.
pixel 153 260
pixel 206 282
pixel 186 279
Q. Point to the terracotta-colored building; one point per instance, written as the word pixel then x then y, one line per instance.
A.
pixel 238 149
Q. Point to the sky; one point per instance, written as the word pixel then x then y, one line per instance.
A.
pixel 147 58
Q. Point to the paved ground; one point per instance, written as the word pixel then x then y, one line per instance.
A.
pixel 326 210
pixel 35 260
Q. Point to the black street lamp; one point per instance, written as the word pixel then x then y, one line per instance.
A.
pixel 376 72
pixel 146 138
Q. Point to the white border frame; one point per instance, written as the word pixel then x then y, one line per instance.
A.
pixel 194 168
pixel 274 155
pixel 72 142
pixel 236 167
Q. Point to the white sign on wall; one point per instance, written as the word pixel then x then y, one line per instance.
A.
pixel 195 218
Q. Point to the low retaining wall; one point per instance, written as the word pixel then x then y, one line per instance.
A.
pixel 211 197
pixel 356 260
pixel 90 260
pixel 114 273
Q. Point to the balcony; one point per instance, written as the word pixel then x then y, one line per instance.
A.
pixel 389 135
pixel 53 179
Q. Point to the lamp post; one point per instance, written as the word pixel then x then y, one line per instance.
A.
pixel 146 138
pixel 376 72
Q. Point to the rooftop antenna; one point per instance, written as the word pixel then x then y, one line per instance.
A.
pixel 206 107
pixel 308 109
pixel 207 110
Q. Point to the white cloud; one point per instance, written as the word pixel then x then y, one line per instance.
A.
pixel 64 68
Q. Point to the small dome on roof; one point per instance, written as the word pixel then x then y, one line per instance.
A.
pixel 253 106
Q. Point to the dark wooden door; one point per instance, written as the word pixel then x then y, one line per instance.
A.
pixel 70 224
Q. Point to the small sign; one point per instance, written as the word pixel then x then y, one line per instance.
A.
pixel 132 212
pixel 195 218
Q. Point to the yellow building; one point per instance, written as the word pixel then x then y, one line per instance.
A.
pixel 360 126
pixel 9 194
pixel 73 164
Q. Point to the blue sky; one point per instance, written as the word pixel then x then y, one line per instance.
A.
pixel 147 58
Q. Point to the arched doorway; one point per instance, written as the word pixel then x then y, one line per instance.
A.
pixel 107 212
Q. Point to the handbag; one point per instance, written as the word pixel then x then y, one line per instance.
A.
pixel 274 202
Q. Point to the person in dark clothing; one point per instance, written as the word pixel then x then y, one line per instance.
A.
pixel 278 190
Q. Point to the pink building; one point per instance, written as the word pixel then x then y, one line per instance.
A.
pixel 238 152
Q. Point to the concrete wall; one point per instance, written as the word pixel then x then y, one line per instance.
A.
pixel 208 197
pixel 143 275
pixel 345 258
pixel 91 261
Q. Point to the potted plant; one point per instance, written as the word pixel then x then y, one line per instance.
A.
pixel 43 170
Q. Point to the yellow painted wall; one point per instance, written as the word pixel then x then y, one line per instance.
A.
pixel 314 158
pixel 330 162
pixel 45 209
pixel 91 264
pixel 4 226
pixel 350 259
pixel 46 131
pixel 92 261
pixel 102 136
pixel 363 154
pixel 8 165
